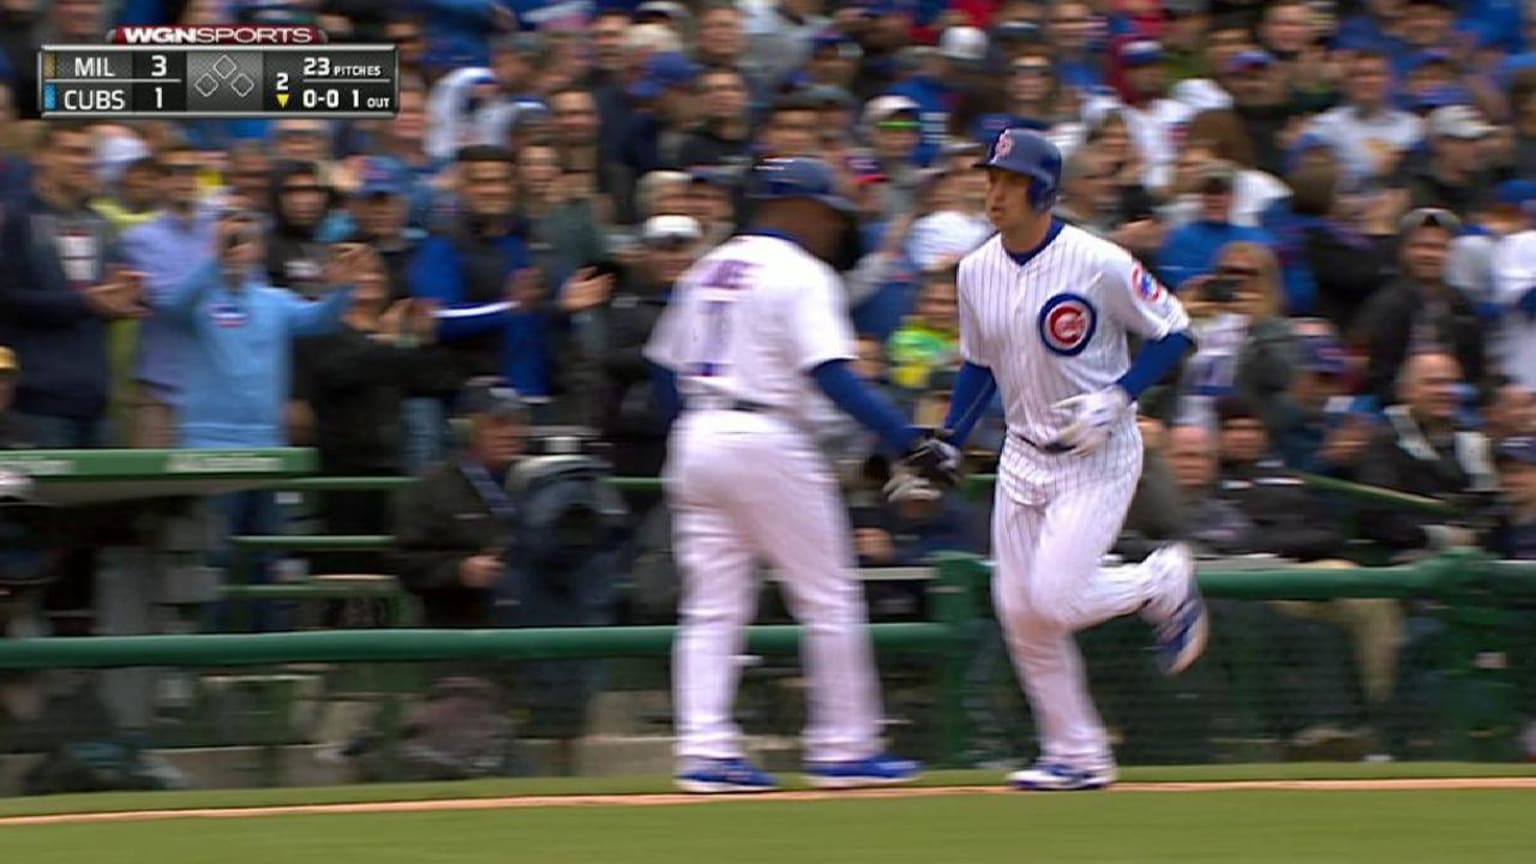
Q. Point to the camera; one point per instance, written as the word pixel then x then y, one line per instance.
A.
pixel 1219 289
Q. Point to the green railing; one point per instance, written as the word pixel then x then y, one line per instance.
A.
pixel 1469 593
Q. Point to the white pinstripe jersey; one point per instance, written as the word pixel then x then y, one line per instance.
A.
pixel 1051 328
pixel 749 320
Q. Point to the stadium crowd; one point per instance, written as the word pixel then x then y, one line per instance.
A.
pixel 1342 194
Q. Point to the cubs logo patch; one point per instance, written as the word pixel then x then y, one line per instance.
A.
pixel 1066 324
pixel 1004 145
pixel 1147 288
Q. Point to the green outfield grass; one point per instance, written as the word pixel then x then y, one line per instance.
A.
pixel 1254 827
pixel 121 801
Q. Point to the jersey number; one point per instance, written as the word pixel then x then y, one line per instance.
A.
pixel 713 342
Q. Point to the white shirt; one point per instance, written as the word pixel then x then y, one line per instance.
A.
pixel 1156 130
pixel 748 321
pixel 1514 274
pixel 945 233
pixel 1056 327
pixel 1357 138
pixel 1202 94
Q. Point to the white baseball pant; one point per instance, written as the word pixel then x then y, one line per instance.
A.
pixel 745 487
pixel 1047 584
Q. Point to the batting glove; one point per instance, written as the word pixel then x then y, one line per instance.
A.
pixel 1090 419
pixel 931 467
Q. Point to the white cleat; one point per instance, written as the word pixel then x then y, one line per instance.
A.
pixel 1183 625
pixel 1046 776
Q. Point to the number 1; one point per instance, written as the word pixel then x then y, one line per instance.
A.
pixel 159 96
pixel 717 331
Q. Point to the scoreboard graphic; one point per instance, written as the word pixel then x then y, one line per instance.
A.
pixel 356 81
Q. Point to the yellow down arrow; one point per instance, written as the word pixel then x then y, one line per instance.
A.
pixel 282 100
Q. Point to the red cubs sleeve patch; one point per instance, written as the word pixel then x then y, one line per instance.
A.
pixel 1144 285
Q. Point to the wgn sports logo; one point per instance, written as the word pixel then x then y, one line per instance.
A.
pixel 1066 324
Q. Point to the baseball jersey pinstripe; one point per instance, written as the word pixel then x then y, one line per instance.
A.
pixel 749 320
pixel 1054 327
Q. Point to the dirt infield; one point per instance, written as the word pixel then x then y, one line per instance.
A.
pixel 528 801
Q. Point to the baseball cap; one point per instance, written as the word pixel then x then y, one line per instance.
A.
pixel 665 229
pixel 1515 192
pixel 1139 52
pixel 885 107
pixel 825 95
pixel 1019 31
pixel 1247 61
pixel 1220 171
pixel 491 395
pixel 1429 217
pixel 381 175
pixel 865 168
pixel 1321 354
pixel 662 71
pixel 967 44
pixel 1521 448
pixel 653 9
pixel 1429 57
pixel 1187 7
pixel 1458 121
pixel 8 360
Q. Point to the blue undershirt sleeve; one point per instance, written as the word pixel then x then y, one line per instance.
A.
pixel 974 389
pixel 1156 359
pixel 664 385
pixel 862 404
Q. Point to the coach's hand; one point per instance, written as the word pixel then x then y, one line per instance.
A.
pixel 925 473
pixel 1090 419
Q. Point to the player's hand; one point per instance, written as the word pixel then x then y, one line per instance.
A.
pixel 924 474
pixel 585 290
pixel 481 571
pixel 1091 417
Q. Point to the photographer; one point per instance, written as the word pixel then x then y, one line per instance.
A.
pixel 498 538
pixel 1244 339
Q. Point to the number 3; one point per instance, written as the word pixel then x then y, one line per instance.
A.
pixel 159 65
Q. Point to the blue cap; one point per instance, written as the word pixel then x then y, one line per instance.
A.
pixel 1253 58
pixel 662 71
pixel 830 38
pixel 382 175
pixel 1521 448
pixel 878 8
pixel 1440 97
pixel 1516 192
pixel 1430 56
pixel 1139 52
pixel 798 177
pixel 1321 354
pixel 1019 31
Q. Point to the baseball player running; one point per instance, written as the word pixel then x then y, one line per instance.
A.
pixel 751 327
pixel 1045 310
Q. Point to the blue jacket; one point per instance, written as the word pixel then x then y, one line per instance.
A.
pixel 1191 249
pixel 439 273
pixel 933 99
pixel 236 385
pixel 59 340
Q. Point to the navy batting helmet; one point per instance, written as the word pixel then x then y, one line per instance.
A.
pixel 1027 152
pixel 798 177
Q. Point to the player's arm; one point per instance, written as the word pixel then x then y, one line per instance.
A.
pixel 823 348
pixel 1138 303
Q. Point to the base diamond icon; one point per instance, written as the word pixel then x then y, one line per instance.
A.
pixel 224 67
pixel 206 85
pixel 243 84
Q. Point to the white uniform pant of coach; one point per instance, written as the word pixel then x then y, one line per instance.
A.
pixel 1048 584
pixel 746 487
